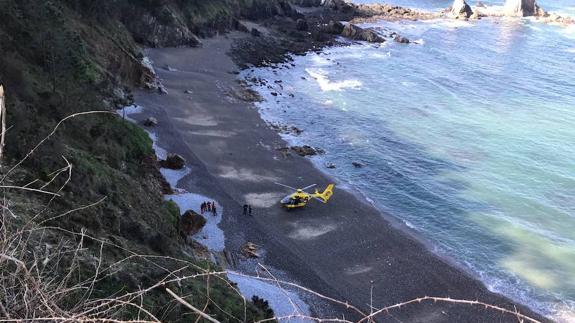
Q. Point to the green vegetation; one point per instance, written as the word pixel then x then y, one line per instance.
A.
pixel 62 57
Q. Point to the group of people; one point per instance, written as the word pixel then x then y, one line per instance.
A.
pixel 247 209
pixel 209 207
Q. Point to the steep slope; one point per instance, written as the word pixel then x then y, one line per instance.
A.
pixel 65 57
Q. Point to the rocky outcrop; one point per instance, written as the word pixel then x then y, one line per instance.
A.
pixel 302 25
pixel 306 150
pixel 307 3
pixel 339 5
pixel 354 32
pixel 174 161
pixel 170 30
pixel 460 9
pixel 191 223
pixel 370 12
pixel 150 122
pixel 521 8
pixel 333 27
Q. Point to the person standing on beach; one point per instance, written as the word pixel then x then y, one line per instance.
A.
pixel 245 209
pixel 250 210
pixel 203 207
pixel 208 207
pixel 214 209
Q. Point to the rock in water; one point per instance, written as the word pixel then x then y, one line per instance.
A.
pixel 192 222
pixel 174 161
pixel 357 33
pixel 521 8
pixel 151 122
pixel 460 9
pixel 401 39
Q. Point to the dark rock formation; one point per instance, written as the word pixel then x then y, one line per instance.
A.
pixel 302 25
pixel 306 150
pixel 255 32
pixel 174 161
pixel 401 39
pixel 521 8
pixel 191 223
pixel 151 122
pixel 307 3
pixel 357 164
pixel 354 32
pixel 339 5
pixel 460 9
pixel 333 27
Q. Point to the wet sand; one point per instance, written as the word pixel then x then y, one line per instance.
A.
pixel 342 249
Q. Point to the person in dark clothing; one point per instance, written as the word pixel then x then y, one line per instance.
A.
pixel 250 209
pixel 214 211
pixel 209 207
pixel 203 208
pixel 245 209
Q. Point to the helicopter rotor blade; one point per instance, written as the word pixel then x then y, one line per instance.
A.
pixel 306 188
pixel 291 188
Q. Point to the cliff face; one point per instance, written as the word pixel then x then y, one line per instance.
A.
pixel 62 57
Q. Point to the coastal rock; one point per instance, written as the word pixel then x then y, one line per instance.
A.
pixel 307 3
pixel 255 32
pixel 357 33
pixel 338 5
pixel 333 27
pixel 357 164
pixel 174 161
pixel 151 122
pixel 306 150
pixel 169 31
pixel 460 9
pixel 302 25
pixel 191 222
pixel 249 250
pixel 401 39
pixel 521 8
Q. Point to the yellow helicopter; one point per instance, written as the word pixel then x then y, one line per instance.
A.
pixel 300 198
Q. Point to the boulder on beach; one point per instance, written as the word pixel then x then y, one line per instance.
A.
pixel 191 222
pixel 357 33
pixel 302 25
pixel 255 32
pixel 151 122
pixel 174 161
pixel 460 9
pixel 357 164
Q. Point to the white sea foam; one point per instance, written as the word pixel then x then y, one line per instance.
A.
pixel 326 85
pixel 125 112
pixel 173 176
pixel 284 303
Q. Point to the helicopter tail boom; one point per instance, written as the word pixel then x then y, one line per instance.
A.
pixel 325 195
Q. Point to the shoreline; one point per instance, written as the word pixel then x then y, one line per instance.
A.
pixel 430 312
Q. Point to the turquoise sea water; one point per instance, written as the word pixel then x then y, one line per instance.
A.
pixel 468 137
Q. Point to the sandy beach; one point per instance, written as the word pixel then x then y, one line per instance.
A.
pixel 344 249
